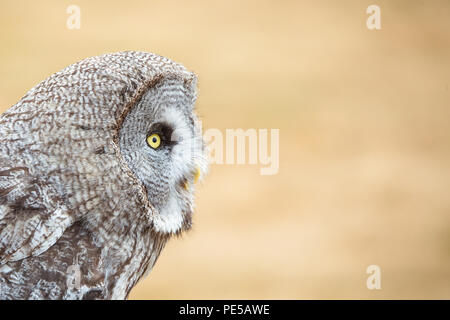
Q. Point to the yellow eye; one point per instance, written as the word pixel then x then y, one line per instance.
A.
pixel 154 140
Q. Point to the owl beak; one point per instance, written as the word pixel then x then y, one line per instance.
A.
pixel 186 183
pixel 196 174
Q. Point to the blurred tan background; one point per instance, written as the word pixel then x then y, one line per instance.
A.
pixel 364 137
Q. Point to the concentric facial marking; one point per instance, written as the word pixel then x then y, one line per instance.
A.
pixel 161 141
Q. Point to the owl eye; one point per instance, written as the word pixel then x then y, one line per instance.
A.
pixel 154 140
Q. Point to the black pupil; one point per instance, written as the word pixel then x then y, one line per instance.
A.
pixel 154 139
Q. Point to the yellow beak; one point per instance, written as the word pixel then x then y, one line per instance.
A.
pixel 196 177
pixel 196 174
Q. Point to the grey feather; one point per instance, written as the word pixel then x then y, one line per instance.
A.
pixel 80 187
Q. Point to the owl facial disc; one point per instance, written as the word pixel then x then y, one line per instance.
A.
pixel 161 141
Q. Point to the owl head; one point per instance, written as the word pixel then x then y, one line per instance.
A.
pixel 160 139
pixel 111 141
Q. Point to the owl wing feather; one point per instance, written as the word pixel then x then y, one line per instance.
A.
pixel 32 217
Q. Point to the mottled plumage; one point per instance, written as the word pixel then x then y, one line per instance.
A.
pixel 79 184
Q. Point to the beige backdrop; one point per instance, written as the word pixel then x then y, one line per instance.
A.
pixel 364 136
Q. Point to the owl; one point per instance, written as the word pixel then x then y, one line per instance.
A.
pixel 98 165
